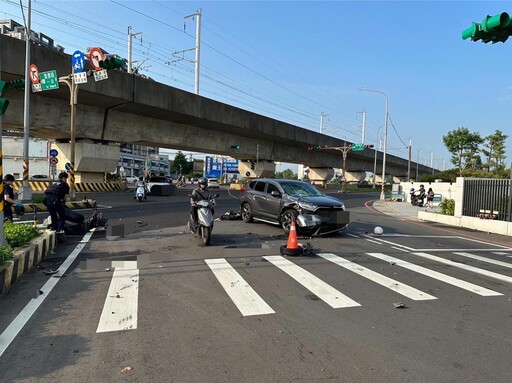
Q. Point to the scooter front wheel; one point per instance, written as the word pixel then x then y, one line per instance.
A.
pixel 206 234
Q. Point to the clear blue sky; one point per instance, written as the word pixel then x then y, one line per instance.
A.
pixel 294 60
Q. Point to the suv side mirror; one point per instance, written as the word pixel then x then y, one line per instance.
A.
pixel 275 193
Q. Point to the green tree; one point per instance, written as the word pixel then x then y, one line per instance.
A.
pixel 494 150
pixel 463 145
pixel 180 165
pixel 286 174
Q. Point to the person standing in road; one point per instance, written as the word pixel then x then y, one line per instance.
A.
pixel 200 193
pixel 55 198
pixel 9 200
pixel 430 198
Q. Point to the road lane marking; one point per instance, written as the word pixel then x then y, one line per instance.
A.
pixel 394 244
pixel 476 270
pixel 121 305
pixel 400 288
pixel 398 248
pixel 501 253
pixel 352 235
pixel 436 275
pixel 243 296
pixel 484 259
pixel 327 293
pixel 24 316
pixel 372 241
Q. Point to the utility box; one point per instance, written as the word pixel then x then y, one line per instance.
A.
pixel 396 188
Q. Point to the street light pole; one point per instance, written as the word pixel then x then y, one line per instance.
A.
pixel 375 158
pixel 382 194
pixel 26 191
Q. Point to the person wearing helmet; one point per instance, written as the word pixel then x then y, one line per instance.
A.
pixel 200 193
pixel 422 195
pixel 140 182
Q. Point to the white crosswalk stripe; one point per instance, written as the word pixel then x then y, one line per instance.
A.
pixel 322 290
pixel 484 259
pixel 121 305
pixel 400 288
pixel 243 296
pixel 476 270
pixel 437 275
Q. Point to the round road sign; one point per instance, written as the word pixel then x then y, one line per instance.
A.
pixel 78 61
pixel 68 166
pixel 34 74
pixel 54 160
pixel 95 56
pixel 54 153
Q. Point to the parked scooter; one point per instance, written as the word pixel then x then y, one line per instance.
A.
pixel 204 225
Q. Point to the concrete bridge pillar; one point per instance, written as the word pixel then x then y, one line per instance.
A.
pixel 378 179
pixel 253 169
pixel 355 176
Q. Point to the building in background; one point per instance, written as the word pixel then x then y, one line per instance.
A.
pixel 138 160
pixel 13 29
pixel 13 156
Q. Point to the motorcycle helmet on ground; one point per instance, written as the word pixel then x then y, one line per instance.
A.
pixel 202 182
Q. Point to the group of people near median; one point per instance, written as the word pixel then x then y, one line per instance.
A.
pixel 55 198
pixel 418 197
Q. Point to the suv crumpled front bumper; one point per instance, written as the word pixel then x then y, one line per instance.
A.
pixel 322 224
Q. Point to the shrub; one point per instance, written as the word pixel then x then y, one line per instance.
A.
pixel 38 198
pixel 447 206
pixel 5 253
pixel 19 235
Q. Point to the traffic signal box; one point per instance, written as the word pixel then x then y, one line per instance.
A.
pixel 4 86
pixel 112 63
pixel 493 29
pixel 236 147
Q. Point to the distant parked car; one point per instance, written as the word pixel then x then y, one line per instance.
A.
pixel 131 179
pixel 156 181
pixel 281 201
pixel 40 177
pixel 212 183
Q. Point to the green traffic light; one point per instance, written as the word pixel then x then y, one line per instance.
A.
pixel 16 84
pixel 3 88
pixel 497 28
pixel 3 102
pixel 237 147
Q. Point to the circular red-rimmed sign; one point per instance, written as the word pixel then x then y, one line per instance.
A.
pixel 54 160
pixel 34 74
pixel 95 56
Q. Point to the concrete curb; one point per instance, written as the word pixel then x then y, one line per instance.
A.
pixel 84 204
pixel 25 259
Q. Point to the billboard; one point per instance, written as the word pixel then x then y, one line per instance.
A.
pixel 215 167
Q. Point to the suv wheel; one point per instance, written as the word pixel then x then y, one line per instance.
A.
pixel 246 212
pixel 287 218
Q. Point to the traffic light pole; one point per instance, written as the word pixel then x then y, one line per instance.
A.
pixel 73 96
pixel 344 149
pixel 2 204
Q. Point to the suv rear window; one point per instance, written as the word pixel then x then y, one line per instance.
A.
pixel 158 179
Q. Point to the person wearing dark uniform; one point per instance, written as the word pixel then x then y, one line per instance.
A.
pixel 9 197
pixel 55 197
pixel 199 194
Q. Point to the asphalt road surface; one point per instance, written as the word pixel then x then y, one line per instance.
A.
pixel 420 303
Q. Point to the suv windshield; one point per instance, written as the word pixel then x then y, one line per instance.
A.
pixel 299 189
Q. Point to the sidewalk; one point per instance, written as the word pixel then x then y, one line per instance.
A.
pixel 402 210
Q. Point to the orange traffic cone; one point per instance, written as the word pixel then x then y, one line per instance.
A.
pixel 292 237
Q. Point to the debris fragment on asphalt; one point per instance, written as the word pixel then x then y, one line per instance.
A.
pixel 392 263
pixel 50 272
pixel 126 369
pixel 107 269
pixel 399 305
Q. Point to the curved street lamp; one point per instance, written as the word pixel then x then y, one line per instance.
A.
pixel 382 194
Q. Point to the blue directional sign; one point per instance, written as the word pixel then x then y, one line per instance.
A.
pixel 54 153
pixel 215 167
pixel 68 166
pixel 78 62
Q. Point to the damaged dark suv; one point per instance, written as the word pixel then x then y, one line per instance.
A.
pixel 281 201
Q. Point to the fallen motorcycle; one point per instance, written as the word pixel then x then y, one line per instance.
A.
pixel 76 224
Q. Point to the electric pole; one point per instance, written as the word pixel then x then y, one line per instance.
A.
pixel 130 36
pixel 198 46
pixel 322 116
pixel 409 163
pixel 364 124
